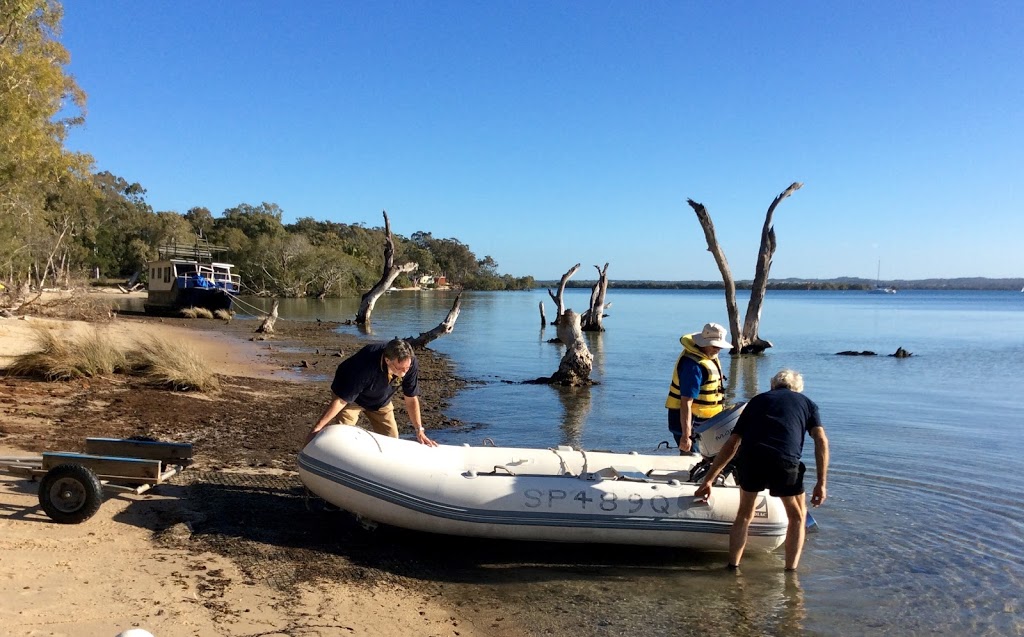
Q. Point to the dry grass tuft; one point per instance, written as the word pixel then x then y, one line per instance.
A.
pixel 59 357
pixel 196 312
pixel 175 366
pixel 225 315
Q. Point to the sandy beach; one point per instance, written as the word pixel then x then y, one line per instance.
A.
pixel 230 547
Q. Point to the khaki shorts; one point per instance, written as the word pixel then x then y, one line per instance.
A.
pixel 382 420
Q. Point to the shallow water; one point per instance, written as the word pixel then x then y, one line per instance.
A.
pixel 922 530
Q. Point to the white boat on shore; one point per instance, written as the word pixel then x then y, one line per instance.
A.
pixel 553 495
pixel 185 275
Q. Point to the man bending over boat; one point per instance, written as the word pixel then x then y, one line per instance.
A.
pixel 697 391
pixel 768 441
pixel 365 383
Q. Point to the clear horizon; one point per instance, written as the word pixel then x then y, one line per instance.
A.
pixel 546 134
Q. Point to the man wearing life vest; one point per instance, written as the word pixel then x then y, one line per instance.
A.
pixel 698 384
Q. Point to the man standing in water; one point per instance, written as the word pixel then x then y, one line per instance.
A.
pixel 365 383
pixel 769 439
pixel 697 391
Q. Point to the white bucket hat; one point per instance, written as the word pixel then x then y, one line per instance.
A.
pixel 714 335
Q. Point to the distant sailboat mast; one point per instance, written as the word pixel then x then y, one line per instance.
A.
pixel 878 282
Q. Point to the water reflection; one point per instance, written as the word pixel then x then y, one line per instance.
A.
pixel 743 375
pixel 575 409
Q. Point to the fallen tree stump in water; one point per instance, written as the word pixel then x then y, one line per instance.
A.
pixel 899 353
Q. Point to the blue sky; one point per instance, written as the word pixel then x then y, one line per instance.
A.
pixel 549 133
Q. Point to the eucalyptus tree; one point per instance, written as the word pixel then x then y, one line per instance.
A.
pixel 125 229
pixel 39 102
pixel 201 220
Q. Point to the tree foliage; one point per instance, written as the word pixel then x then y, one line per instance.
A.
pixel 42 184
pixel 60 221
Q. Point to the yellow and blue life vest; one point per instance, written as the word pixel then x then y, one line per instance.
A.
pixel 711 398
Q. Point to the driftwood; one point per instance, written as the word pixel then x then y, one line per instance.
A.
pixel 747 340
pixel 559 303
pixel 591 319
pixel 391 272
pixel 444 327
pixel 543 319
pixel 16 304
pixel 267 326
pixel 899 353
pixel 577 363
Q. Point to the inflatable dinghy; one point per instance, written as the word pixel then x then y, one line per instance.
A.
pixel 560 494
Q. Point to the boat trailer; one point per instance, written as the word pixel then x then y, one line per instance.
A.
pixel 72 485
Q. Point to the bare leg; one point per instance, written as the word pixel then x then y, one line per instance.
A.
pixel 796 511
pixel 738 533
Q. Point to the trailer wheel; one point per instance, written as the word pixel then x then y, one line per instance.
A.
pixel 70 493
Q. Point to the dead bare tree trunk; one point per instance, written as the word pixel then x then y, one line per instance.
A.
pixel 577 363
pixel 747 340
pixel 593 316
pixel 543 319
pixel 752 321
pixel 723 267
pixel 391 272
pixel 267 326
pixel 559 303
pixel 444 327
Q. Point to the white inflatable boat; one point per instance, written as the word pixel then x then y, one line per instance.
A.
pixel 556 495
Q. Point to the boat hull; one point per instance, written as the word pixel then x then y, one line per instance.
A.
pixel 557 495
pixel 176 299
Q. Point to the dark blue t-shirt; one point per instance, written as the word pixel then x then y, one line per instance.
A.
pixel 363 379
pixel 775 422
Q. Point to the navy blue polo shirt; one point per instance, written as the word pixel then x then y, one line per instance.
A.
pixel 363 379
pixel 775 422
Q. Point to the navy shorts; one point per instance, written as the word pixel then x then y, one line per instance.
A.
pixel 781 477
pixel 677 429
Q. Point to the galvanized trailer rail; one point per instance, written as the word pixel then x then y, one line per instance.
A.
pixel 72 485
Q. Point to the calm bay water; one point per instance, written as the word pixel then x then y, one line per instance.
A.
pixel 922 532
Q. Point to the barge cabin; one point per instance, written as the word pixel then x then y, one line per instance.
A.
pixel 185 276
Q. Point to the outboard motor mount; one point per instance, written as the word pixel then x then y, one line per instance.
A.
pixel 710 436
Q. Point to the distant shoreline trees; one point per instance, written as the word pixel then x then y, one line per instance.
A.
pixel 855 284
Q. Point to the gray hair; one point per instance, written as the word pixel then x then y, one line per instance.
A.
pixel 397 350
pixel 788 379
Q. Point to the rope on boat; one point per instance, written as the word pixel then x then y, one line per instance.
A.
pixel 238 299
pixel 564 468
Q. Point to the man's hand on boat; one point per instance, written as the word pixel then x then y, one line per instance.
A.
pixel 421 437
pixel 703 492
